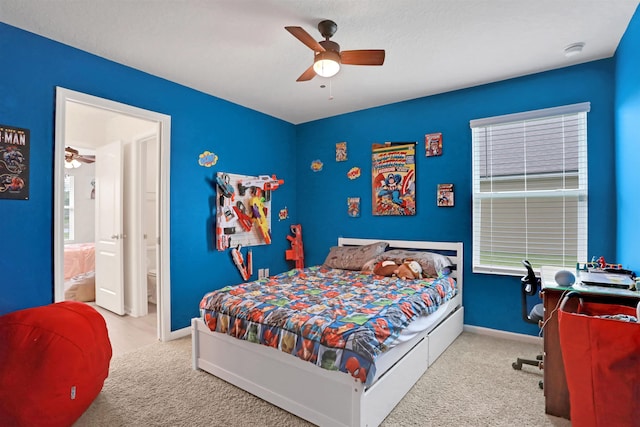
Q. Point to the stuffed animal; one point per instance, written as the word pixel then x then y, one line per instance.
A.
pixel 409 269
pixel 385 268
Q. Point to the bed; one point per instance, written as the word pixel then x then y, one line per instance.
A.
pixel 79 272
pixel 325 395
pixel 79 258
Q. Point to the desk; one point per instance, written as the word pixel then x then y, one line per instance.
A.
pixel 555 383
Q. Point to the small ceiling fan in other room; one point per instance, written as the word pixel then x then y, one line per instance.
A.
pixel 327 56
pixel 73 158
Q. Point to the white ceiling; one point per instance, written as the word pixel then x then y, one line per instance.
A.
pixel 238 50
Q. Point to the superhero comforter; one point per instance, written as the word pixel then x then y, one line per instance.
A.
pixel 337 319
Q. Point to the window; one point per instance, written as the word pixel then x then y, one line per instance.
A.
pixel 530 189
pixel 68 217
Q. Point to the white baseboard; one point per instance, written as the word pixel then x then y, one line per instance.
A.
pixel 530 339
pixel 179 333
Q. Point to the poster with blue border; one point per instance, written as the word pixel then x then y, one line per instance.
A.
pixel 14 162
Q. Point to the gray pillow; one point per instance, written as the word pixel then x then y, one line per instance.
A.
pixel 353 257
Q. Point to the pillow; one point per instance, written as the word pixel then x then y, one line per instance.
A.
pixel 432 263
pixel 353 257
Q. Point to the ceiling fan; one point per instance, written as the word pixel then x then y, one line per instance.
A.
pixel 327 55
pixel 73 158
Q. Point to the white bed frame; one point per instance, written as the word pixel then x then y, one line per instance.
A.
pixel 323 397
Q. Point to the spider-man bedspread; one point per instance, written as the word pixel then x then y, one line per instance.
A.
pixel 336 319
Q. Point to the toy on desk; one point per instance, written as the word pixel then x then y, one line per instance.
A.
pixel 600 264
pixel 246 270
pixel 265 183
pixel 260 216
pixel 296 253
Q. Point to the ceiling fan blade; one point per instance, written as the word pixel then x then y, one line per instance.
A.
pixel 307 75
pixel 362 57
pixel 306 38
pixel 86 159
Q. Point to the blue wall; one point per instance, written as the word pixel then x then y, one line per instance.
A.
pixel 33 66
pixel 247 142
pixel 490 301
pixel 627 104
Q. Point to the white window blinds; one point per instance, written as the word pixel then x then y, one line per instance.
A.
pixel 530 189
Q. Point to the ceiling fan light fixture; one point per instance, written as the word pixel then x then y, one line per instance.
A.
pixel 72 164
pixel 327 63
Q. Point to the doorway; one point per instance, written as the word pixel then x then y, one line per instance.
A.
pixel 89 124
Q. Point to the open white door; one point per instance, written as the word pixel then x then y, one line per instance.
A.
pixel 109 228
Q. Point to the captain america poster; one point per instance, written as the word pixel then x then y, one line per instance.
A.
pixel 14 162
pixel 394 178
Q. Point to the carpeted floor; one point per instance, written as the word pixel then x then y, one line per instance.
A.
pixel 471 384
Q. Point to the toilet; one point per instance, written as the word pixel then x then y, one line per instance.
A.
pixel 151 286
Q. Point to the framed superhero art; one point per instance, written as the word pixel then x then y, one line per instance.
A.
pixel 393 170
pixel 14 163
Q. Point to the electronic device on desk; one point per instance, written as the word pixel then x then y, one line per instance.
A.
pixel 599 273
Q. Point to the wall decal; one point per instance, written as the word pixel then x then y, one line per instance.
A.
pixel 393 170
pixel 316 165
pixel 341 151
pixel 445 195
pixel 207 159
pixel 433 144
pixel 354 173
pixel 353 206
pixel 14 163
pixel 283 214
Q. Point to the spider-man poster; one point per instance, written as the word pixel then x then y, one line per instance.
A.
pixel 14 161
pixel 394 178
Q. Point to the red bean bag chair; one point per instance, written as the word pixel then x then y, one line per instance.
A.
pixel 53 363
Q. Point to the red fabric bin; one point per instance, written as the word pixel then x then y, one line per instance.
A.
pixel 602 364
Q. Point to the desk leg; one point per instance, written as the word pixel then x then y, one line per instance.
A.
pixel 555 383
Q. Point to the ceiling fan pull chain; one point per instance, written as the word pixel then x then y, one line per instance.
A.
pixel 330 90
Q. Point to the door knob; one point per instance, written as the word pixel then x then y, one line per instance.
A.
pixel 115 236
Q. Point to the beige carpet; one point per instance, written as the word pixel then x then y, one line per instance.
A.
pixel 471 384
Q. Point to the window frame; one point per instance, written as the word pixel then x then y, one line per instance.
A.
pixel 578 195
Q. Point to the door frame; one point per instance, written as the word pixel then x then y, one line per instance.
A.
pixel 163 270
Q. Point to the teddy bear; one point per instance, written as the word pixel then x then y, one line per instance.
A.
pixel 409 269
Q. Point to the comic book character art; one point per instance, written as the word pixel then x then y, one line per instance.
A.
pixel 394 194
pixel 13 160
pixel 353 204
pixel 11 165
pixel 391 187
pixel 393 169
pixel 16 184
pixel 433 143
pixel 14 163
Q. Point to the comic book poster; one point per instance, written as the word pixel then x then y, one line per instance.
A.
pixel 445 195
pixel 341 152
pixel 393 170
pixel 14 162
pixel 353 206
pixel 433 144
